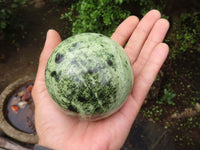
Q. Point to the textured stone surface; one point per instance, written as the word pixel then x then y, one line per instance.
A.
pixel 89 74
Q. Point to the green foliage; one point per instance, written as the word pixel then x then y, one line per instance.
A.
pixel 167 97
pixel 7 12
pixel 103 16
pixel 122 1
pixel 147 5
pixel 100 16
pixel 185 34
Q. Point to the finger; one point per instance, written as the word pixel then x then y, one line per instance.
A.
pixel 155 37
pixel 124 30
pixel 52 40
pixel 146 77
pixel 140 34
pixel 141 86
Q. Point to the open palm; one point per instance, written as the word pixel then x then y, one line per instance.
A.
pixel 147 53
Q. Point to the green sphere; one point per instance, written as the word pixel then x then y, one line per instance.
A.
pixel 89 75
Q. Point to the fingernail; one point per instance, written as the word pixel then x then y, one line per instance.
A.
pixel 49 31
pixel 47 35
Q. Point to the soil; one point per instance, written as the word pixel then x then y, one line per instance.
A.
pixel 20 57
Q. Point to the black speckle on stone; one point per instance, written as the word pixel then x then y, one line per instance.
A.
pixel 75 46
pixel 82 99
pixel 110 63
pixel 100 35
pixel 112 56
pixel 98 110
pixel 72 108
pixel 53 73
pixel 90 71
pixel 76 79
pixel 126 64
pixel 101 94
pixel 59 58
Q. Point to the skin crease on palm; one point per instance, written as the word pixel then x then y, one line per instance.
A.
pixel 147 53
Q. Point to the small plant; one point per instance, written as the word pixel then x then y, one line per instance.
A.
pixel 147 5
pixel 167 97
pixel 185 35
pixel 8 9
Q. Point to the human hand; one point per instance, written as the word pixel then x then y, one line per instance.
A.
pixel 147 53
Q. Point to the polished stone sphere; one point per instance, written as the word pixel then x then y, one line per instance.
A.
pixel 89 75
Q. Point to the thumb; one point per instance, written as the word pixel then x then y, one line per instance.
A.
pixel 52 41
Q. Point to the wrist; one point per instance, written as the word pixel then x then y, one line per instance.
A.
pixel 45 144
pixel 52 145
pixel 39 147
